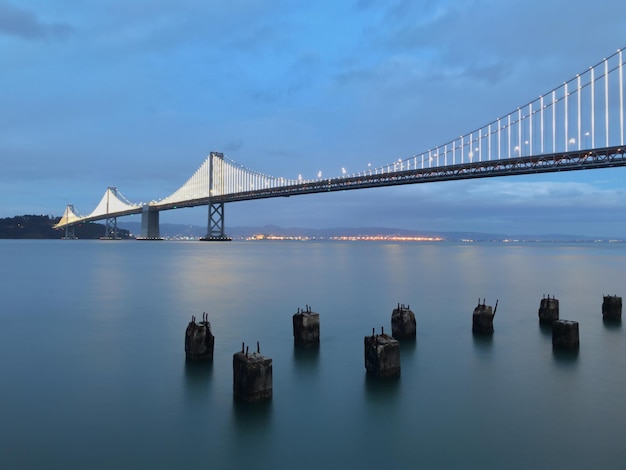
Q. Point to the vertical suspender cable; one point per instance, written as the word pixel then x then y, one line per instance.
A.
pixel 606 99
pixel 621 100
pixel 541 121
pixel 578 117
pixel 553 121
pixel 566 95
pixel 593 109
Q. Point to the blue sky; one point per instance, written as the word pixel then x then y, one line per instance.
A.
pixel 135 94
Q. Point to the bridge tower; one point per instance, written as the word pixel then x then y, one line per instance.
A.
pixel 215 224
pixel 110 228
pixel 68 217
pixel 69 233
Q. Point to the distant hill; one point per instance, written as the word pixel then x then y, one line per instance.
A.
pixel 40 227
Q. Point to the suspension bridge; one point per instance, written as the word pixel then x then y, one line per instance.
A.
pixel 577 126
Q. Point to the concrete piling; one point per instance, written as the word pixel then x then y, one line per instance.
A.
pixel 199 340
pixel 382 355
pixel 306 327
pixel 548 309
pixel 403 325
pixel 612 307
pixel 482 318
pixel 565 334
pixel 252 375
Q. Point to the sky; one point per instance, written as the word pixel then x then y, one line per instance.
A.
pixel 136 93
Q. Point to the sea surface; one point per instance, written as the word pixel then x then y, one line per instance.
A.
pixel 93 372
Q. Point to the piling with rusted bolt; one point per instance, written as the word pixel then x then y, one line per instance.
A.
pixel 252 375
pixel 565 334
pixel 548 309
pixel 382 355
pixel 306 327
pixel 199 340
pixel 612 307
pixel 482 318
pixel 403 325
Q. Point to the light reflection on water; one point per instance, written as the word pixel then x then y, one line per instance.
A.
pixel 92 351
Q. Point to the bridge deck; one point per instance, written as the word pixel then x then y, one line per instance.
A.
pixel 571 161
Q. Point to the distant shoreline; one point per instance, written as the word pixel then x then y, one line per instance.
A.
pixel 41 227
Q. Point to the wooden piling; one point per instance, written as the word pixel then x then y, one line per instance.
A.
pixel 306 327
pixel 612 307
pixel 403 325
pixel 382 355
pixel 548 309
pixel 252 375
pixel 199 340
pixel 482 318
pixel 565 334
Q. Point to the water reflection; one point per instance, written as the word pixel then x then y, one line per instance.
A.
pixel 252 417
pixel 565 357
pixel 306 358
pixel 407 346
pixel 482 343
pixel 381 389
pixel 198 379
pixel 612 324
pixel 546 330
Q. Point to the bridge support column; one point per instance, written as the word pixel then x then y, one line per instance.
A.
pixel 110 229
pixel 149 224
pixel 216 224
pixel 382 355
pixel 69 233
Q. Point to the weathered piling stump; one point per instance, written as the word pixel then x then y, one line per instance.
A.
pixel 482 318
pixel 565 334
pixel 403 325
pixel 199 340
pixel 252 375
pixel 382 355
pixel 548 309
pixel 612 307
pixel 306 327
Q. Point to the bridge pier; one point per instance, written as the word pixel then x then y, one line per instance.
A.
pixel 612 308
pixel 403 324
pixel 149 224
pixel 110 229
pixel 382 355
pixel 482 318
pixel 306 327
pixel 252 375
pixel 565 334
pixel 215 231
pixel 548 310
pixel 69 233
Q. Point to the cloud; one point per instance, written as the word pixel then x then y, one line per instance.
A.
pixel 22 23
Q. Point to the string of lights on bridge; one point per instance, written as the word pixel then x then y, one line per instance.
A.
pixel 585 113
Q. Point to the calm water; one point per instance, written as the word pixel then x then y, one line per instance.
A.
pixel 93 371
